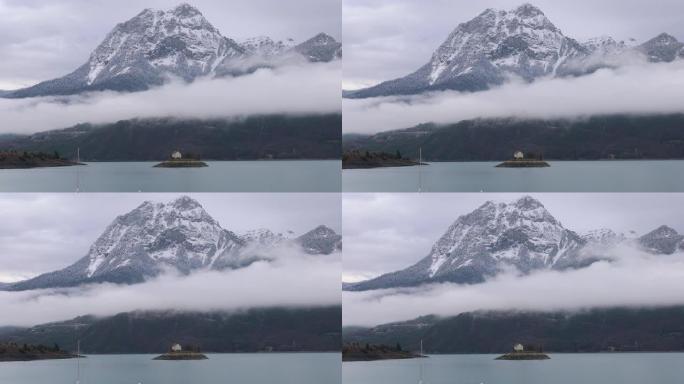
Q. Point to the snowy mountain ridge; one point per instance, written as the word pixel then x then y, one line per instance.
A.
pixel 156 45
pixel 521 235
pixel 180 236
pixel 521 42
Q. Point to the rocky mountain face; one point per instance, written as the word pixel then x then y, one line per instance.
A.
pixel 663 48
pixel 156 45
pixel 663 240
pixel 320 48
pixel 320 240
pixel 522 236
pixel 523 43
pixel 179 236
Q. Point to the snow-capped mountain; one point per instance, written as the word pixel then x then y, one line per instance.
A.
pixel 320 48
pixel 662 48
pixel 521 236
pixel 662 240
pixel 179 236
pixel 603 236
pixel 264 46
pixel 156 45
pixel 522 43
pixel 320 240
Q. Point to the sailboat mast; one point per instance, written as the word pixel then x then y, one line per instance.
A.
pixel 420 163
pixel 78 175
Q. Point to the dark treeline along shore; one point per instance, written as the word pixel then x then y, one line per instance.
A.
pixel 372 352
pixel 13 159
pixel 153 139
pixel 594 138
pixel 27 352
pixel 255 330
pixel 359 160
pixel 598 330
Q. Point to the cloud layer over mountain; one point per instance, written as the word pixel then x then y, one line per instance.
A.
pixel 276 284
pixel 636 279
pixel 633 89
pixel 388 232
pixel 301 89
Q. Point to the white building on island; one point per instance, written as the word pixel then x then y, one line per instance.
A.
pixel 518 155
pixel 176 348
pixel 176 155
pixel 518 347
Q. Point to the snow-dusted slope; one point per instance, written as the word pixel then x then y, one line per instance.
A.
pixel 266 47
pixel 521 42
pixel 663 48
pixel 179 236
pixel 521 236
pixel 662 240
pixel 320 48
pixel 320 240
pixel 156 45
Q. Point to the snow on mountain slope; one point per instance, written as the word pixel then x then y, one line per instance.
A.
pixel 523 43
pixel 156 45
pixel 154 237
pixel 521 236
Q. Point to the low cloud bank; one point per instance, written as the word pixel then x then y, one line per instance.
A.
pixel 633 89
pixel 300 89
pixel 634 279
pixel 291 280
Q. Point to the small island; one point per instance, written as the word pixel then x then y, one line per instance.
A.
pixel 25 352
pixel 176 352
pixel 521 352
pixel 177 160
pixel 24 160
pixel 358 160
pixel 521 160
pixel 367 352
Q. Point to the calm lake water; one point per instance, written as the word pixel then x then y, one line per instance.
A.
pixel 282 368
pixel 616 368
pixel 562 176
pixel 219 176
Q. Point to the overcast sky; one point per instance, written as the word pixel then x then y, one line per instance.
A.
pixel 44 232
pixel 44 39
pixel 385 39
pixel 387 232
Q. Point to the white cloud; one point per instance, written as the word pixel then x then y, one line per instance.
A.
pixel 277 284
pixel 635 280
pixel 296 89
pixel 633 89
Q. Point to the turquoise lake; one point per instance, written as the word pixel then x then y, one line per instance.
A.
pixel 255 368
pixel 599 368
pixel 219 176
pixel 561 176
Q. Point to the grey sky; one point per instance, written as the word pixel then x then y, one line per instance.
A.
pixel 43 232
pixel 386 232
pixel 385 39
pixel 44 39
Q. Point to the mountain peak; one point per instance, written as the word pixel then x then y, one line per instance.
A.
pixel 665 38
pixel 528 203
pixel 528 10
pixel 492 238
pixel 185 10
pixel 185 203
pixel 663 240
